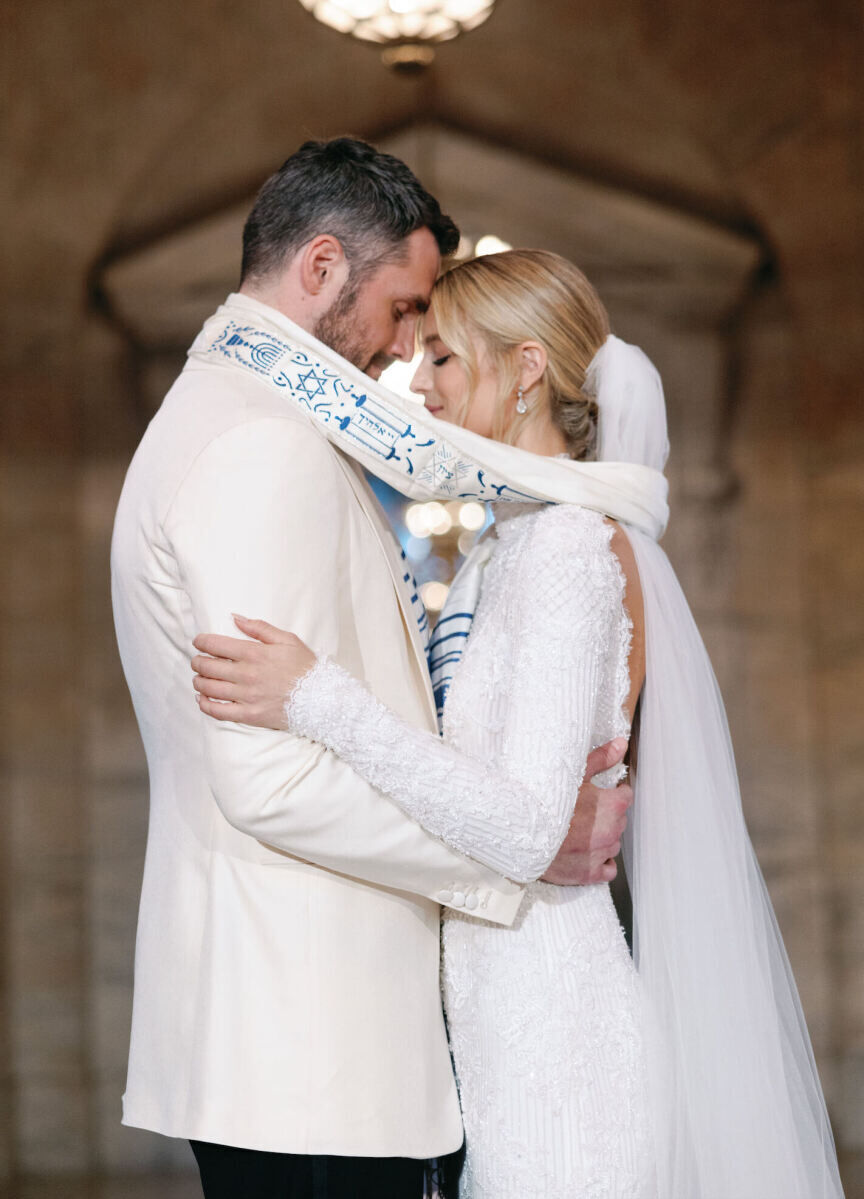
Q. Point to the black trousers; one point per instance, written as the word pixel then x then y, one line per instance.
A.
pixel 229 1173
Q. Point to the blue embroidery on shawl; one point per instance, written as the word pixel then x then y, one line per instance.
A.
pixel 330 398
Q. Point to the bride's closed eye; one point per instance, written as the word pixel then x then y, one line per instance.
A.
pixel 440 361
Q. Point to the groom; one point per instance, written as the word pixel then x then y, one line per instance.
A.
pixel 287 1018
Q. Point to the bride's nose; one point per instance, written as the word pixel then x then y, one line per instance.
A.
pixel 422 380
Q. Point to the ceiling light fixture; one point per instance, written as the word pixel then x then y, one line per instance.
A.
pixel 407 30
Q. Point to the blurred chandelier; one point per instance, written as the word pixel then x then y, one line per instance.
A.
pixel 406 29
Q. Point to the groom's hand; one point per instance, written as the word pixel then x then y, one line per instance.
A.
pixel 594 839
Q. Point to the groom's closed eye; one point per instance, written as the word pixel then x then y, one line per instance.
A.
pixel 413 305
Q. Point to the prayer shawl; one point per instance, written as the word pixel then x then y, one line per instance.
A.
pixel 397 439
pixel 424 458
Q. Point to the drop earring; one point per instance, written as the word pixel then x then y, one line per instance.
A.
pixel 521 406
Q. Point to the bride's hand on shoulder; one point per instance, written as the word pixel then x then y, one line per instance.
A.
pixel 248 682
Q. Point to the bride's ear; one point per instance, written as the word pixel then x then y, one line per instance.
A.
pixel 532 363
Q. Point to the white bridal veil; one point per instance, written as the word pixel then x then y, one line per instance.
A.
pixel 738 1106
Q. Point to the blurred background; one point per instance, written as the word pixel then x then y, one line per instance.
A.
pixel 703 162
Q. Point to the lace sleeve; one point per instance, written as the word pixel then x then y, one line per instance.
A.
pixel 511 816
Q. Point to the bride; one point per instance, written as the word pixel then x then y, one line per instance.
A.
pixel 688 1075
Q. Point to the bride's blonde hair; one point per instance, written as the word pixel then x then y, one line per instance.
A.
pixel 527 295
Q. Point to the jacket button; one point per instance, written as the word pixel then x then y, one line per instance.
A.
pixel 471 903
pixel 445 896
pixel 458 899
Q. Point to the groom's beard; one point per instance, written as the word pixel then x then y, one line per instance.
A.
pixel 341 329
pixel 378 364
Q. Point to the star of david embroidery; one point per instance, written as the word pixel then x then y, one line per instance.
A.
pixel 311 385
pixel 444 470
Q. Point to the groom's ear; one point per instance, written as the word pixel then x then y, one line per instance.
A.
pixel 323 266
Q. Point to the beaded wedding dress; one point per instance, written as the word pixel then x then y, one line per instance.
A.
pixel 545 1017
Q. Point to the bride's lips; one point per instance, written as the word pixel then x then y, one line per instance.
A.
pixel 434 411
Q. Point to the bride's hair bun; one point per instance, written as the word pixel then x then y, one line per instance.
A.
pixel 528 295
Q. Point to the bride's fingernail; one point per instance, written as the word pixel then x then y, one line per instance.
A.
pixel 237 616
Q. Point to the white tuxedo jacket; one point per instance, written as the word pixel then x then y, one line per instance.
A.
pixel 286 967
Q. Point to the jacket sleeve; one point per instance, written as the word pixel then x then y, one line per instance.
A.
pixel 511 814
pixel 241 525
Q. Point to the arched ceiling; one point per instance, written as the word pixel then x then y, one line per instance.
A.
pixel 142 112
pixel 133 118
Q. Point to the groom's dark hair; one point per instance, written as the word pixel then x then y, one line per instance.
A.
pixel 368 200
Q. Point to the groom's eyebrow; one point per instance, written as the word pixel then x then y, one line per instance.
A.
pixel 418 303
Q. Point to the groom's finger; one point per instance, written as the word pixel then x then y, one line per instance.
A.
pixel 608 871
pixel 605 757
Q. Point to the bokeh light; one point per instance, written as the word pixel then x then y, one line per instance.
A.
pixel 490 244
pixel 434 595
pixel 472 515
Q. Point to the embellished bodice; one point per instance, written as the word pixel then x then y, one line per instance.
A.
pixel 550 623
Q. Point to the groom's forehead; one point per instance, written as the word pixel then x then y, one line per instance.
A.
pixel 404 288
pixel 412 275
pixel 405 285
